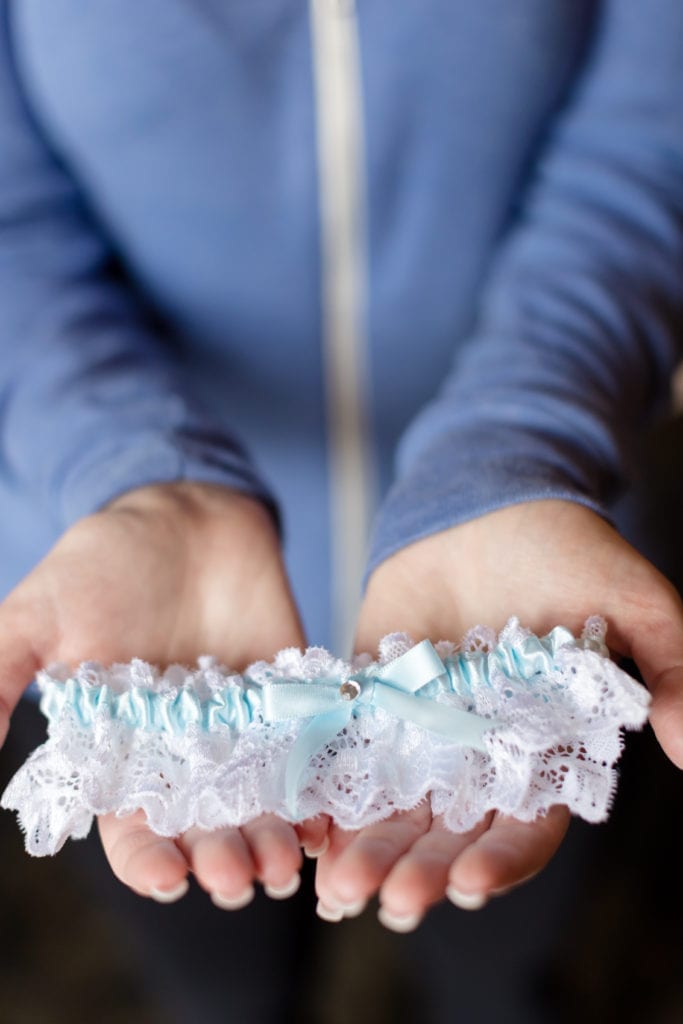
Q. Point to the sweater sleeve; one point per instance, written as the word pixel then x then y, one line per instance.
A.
pixel 578 326
pixel 91 404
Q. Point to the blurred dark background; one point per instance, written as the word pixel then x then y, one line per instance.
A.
pixel 597 937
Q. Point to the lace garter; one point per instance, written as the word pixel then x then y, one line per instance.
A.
pixel 515 723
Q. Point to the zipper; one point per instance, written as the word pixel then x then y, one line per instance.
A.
pixel 341 164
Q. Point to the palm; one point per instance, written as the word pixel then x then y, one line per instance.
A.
pixel 147 582
pixel 548 563
pixel 166 574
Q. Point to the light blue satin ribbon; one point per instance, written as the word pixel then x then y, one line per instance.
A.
pixel 235 707
pixel 140 708
pixel 524 660
pixel 330 706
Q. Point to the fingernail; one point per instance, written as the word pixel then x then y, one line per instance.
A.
pixel 285 891
pixel 233 902
pixel 401 923
pixel 333 914
pixel 466 900
pixel 353 909
pixel 318 851
pixel 170 895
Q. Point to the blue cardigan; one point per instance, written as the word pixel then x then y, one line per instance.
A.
pixel 387 265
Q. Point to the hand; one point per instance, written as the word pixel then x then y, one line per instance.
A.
pixel 549 563
pixel 165 573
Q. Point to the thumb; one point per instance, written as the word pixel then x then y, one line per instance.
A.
pixel 658 653
pixel 19 663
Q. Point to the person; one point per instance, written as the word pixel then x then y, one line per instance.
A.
pixel 453 232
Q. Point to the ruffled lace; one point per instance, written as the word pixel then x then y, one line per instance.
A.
pixel 209 748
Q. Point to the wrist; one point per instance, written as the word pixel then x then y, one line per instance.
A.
pixel 203 521
pixel 190 500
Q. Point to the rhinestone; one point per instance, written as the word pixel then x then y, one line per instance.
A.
pixel 349 690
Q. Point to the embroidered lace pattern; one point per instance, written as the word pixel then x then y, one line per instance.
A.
pixel 196 747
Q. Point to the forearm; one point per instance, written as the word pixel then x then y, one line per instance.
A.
pixel 92 403
pixel 580 323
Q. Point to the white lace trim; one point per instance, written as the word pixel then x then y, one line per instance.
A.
pixel 557 742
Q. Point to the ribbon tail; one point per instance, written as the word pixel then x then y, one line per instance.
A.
pixel 319 731
pixel 463 727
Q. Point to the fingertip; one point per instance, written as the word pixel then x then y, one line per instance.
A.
pixel 243 899
pixel 19 664
pixel 509 853
pixel 326 866
pixel 357 865
pixel 666 719
pixel 313 836
pixel 358 872
pixel 139 858
pixel 407 889
pixel 4 721
pixel 170 895
pixel 475 874
pixel 283 892
pixel 161 871
pixel 221 861
pixel 315 853
pixel 466 900
pixel 399 923
pixel 274 846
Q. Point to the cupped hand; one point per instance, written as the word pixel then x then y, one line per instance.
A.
pixel 549 563
pixel 165 573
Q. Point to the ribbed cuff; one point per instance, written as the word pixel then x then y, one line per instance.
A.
pixel 445 489
pixel 154 458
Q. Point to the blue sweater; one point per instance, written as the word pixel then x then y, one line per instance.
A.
pixel 387 266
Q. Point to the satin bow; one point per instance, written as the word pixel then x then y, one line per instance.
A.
pixel 330 706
